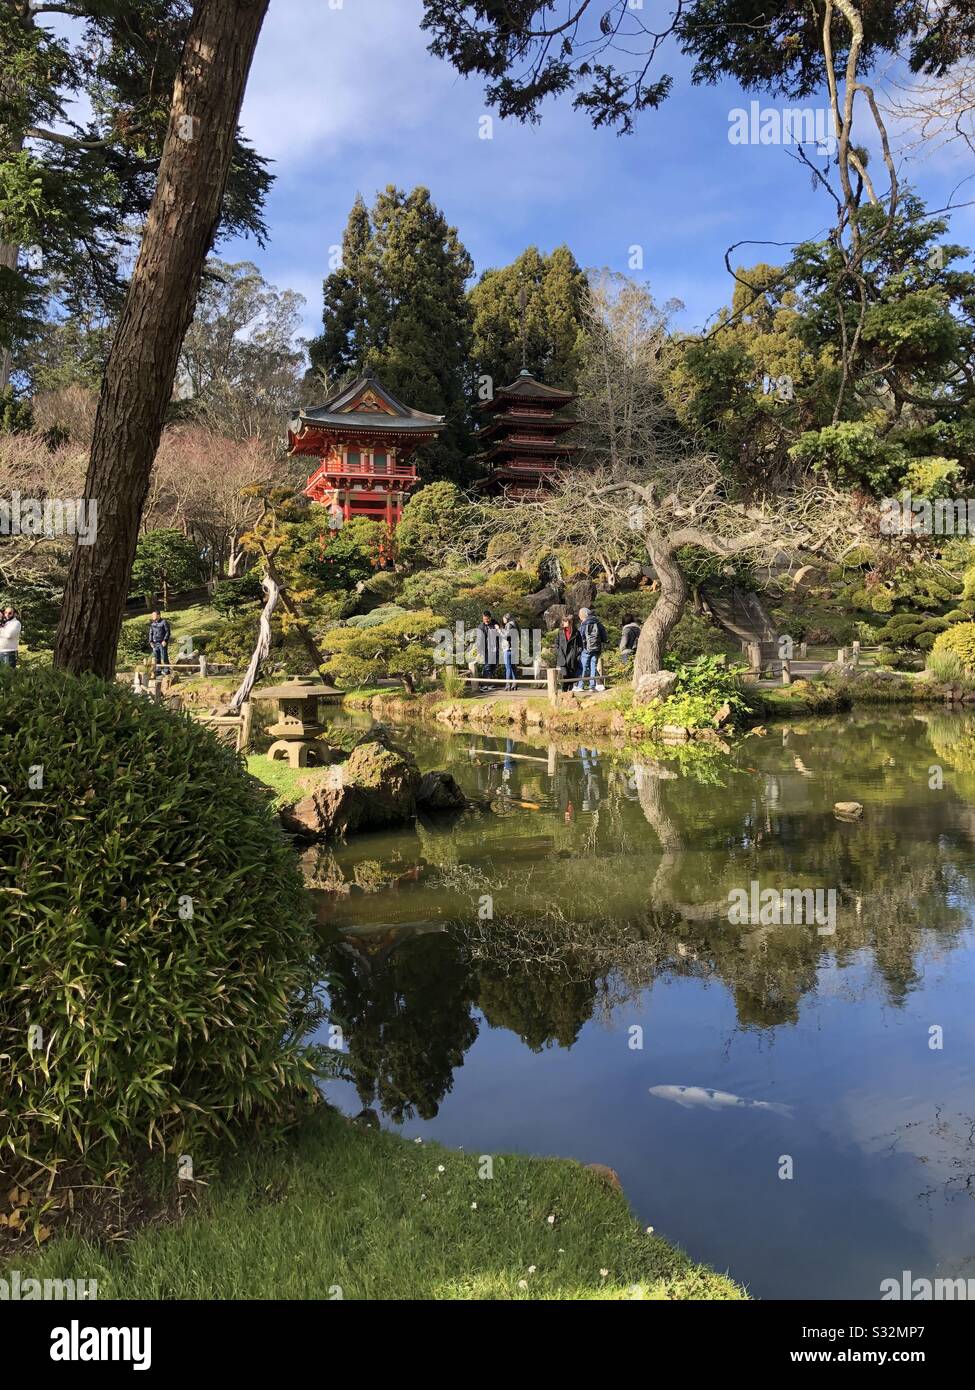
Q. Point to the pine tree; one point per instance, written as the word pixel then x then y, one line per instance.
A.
pixel 398 307
pixel 84 113
pixel 338 350
pixel 556 290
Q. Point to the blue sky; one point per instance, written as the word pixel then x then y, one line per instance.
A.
pixel 344 97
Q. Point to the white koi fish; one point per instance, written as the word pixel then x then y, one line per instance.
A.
pixel 691 1096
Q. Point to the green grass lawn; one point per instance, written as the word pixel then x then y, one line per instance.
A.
pixel 196 621
pixel 288 783
pixel 344 1211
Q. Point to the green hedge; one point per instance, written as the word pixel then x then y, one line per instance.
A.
pixel 959 639
pixel 157 965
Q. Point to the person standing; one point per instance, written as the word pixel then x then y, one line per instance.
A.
pixel 487 645
pixel 592 639
pixel 10 630
pixel 629 637
pixel 509 648
pixel 159 635
pixel 567 651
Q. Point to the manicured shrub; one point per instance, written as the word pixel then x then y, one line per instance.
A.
pixel 382 587
pixel 405 646
pixel 231 595
pixel 157 962
pixel 385 613
pixel 437 589
pixel 960 639
pixel 132 651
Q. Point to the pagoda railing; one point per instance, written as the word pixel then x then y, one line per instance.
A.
pixel 338 469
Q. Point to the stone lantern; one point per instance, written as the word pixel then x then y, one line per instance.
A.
pixel 297 726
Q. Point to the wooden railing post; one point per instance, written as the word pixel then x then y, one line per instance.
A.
pixel 246 720
pixel 552 680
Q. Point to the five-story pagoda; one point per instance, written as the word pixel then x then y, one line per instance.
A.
pixel 522 438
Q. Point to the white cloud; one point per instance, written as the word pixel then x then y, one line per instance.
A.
pixel 324 77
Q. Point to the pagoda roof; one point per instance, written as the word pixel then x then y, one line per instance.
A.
pixel 504 448
pixel 512 424
pixel 526 387
pixel 365 405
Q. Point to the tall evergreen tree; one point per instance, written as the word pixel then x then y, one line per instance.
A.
pixel 555 295
pixel 398 307
pixel 341 346
pixel 84 112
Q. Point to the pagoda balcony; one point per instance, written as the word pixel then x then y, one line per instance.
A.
pixel 335 468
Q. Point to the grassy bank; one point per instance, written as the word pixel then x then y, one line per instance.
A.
pixel 343 1208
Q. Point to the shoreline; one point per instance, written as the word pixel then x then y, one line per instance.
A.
pixel 608 718
pixel 455 1225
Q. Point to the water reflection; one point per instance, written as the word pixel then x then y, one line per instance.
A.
pixel 599 879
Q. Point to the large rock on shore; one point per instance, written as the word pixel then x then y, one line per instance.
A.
pixel 389 773
pixel 656 685
pixel 555 616
pixel 380 785
pixel 580 592
pixel 628 576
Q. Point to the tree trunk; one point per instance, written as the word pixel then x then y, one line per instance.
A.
pixel 308 642
pixel 138 380
pixel 271 595
pixel 8 261
pixel 666 613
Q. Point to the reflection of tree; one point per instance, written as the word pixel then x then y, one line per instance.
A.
pixel 542 1001
pixel 407 1023
pixel 586 917
pixel 945 1145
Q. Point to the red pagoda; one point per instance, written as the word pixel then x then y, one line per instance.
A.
pixel 365 439
pixel 522 439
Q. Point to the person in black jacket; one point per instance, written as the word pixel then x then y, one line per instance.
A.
pixel 567 650
pixel 629 638
pixel 159 635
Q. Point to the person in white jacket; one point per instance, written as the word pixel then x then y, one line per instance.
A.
pixel 9 637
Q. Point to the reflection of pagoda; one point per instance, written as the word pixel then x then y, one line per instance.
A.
pixel 372 946
pixel 365 439
pixel 522 437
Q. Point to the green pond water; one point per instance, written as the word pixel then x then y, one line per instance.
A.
pixel 545 977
